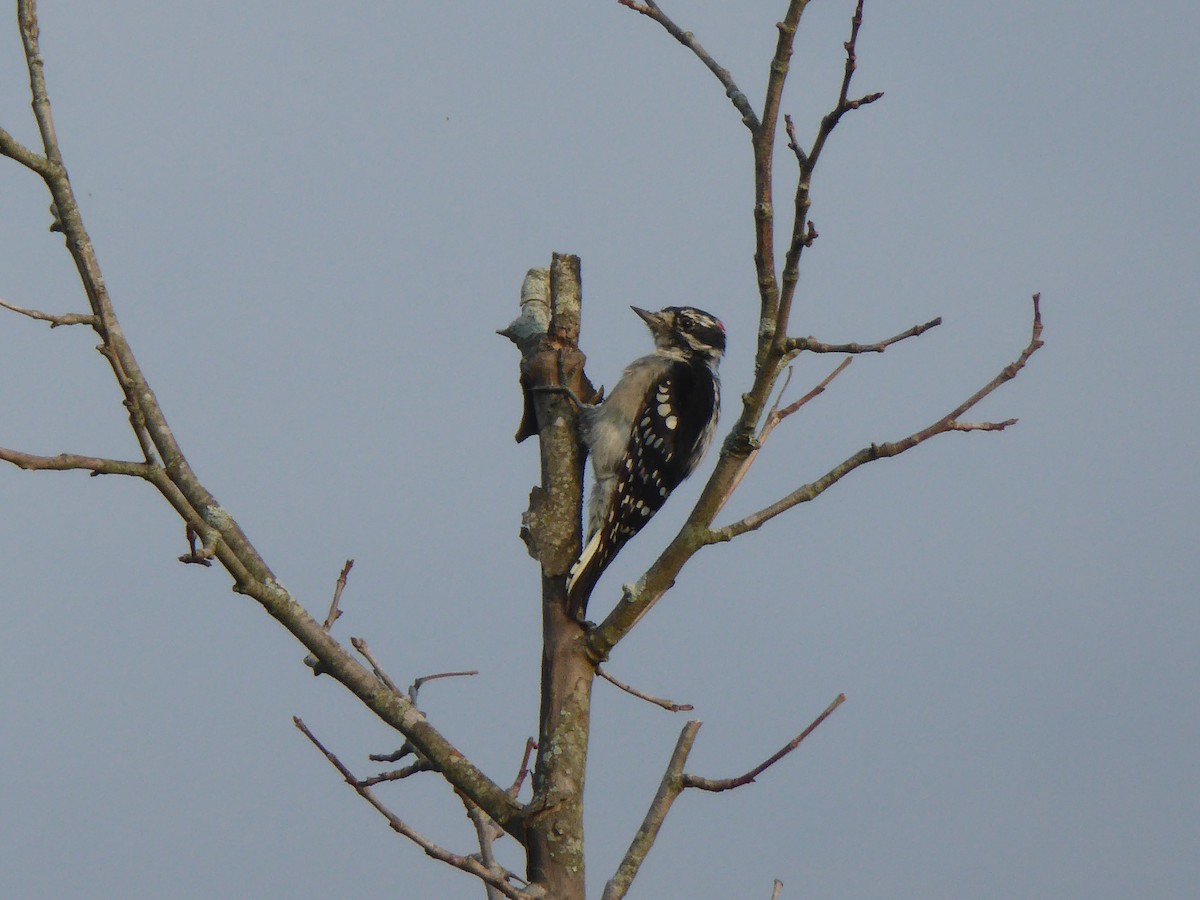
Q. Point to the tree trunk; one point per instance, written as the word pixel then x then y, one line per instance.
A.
pixel 554 826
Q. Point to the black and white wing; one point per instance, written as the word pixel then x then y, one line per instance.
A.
pixel 672 429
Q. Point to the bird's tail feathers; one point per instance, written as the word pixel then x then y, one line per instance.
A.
pixel 583 577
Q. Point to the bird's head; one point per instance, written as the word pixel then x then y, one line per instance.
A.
pixel 686 330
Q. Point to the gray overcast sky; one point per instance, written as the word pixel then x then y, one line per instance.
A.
pixel 312 217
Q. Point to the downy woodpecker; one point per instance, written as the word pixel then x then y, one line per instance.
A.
pixel 647 436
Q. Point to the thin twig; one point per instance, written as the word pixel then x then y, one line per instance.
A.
pixel 844 103
pixel 361 646
pixel 54 320
pixel 774 416
pixel 793 142
pixel 777 890
pixel 725 784
pixel 494 831
pixel 787 380
pixel 334 614
pixel 674 781
pixel 395 756
pixel 416 685
pixel 948 422
pixel 67 461
pixel 484 833
pixel 406 748
pixel 802 231
pixel 421 765
pixel 18 152
pixel 523 771
pixel 980 426
pixel 797 345
pixel 187 495
pixel 669 788
pixel 27 19
pixel 651 10
pixel 465 863
pixel 649 698
pixel 338 587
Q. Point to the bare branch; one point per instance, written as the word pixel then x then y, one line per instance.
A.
pixel 18 152
pixel 793 142
pixel 725 784
pixel 28 23
pixel 67 461
pixel 768 364
pixel 948 422
pixel 361 646
pixel 333 615
pixel 523 771
pixel 185 492
pixel 844 104
pixel 494 831
pixel 670 788
pixel 54 320
pixel 178 483
pixel 415 687
pixel 421 765
pixel 779 66
pixel 802 232
pixel 485 834
pixel 981 426
pixel 673 782
pixel 465 863
pixel 649 698
pixel 797 345
pixel 778 889
pixel 406 749
pixel 651 9
pixel 339 586
pixel 772 316
pixel 774 416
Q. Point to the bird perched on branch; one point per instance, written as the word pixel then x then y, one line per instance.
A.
pixel 647 436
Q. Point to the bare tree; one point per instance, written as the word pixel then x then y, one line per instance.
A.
pixel 549 825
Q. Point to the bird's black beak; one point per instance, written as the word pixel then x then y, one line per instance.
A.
pixel 653 320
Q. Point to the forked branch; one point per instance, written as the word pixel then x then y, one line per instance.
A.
pixel 768 359
pixel 674 782
pixel 467 864
pixel 802 230
pixel 213 533
pixel 777 415
pixel 947 423
pixel 669 789
pixel 774 416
